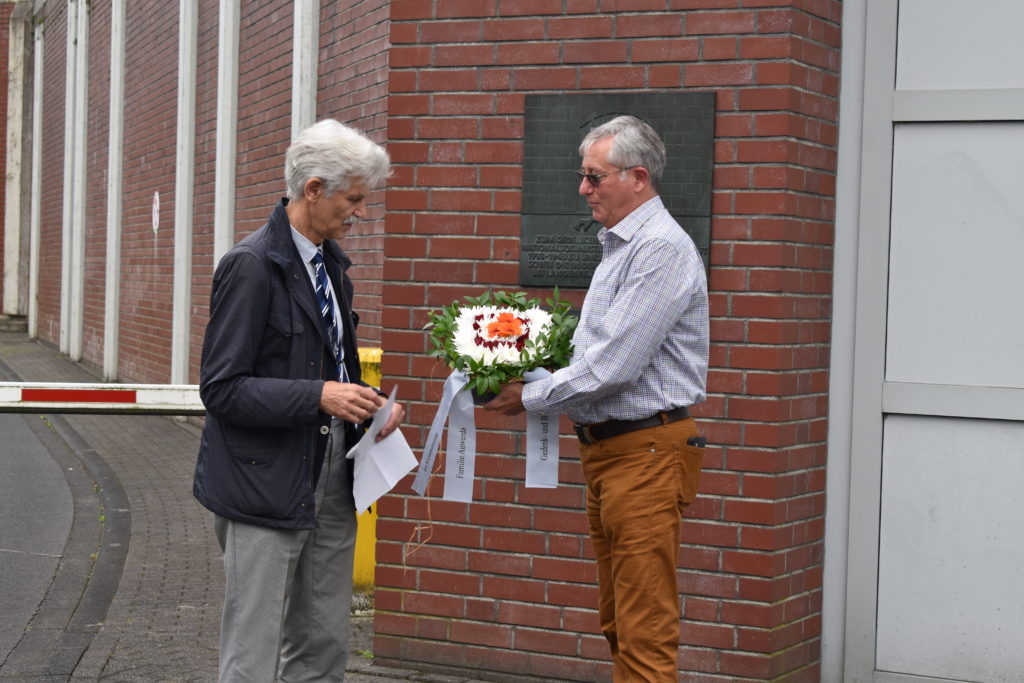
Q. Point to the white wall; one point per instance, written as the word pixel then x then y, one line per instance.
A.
pixel 928 407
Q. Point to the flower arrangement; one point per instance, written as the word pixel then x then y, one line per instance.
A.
pixel 496 338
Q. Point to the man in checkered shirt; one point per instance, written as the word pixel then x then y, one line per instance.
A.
pixel 640 361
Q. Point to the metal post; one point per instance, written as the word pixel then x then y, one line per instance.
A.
pixel 227 129
pixel 80 123
pixel 184 190
pixel 37 185
pixel 70 83
pixel 305 46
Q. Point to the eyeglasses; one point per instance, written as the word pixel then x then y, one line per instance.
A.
pixel 595 178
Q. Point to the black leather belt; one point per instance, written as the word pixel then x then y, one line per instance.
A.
pixel 603 430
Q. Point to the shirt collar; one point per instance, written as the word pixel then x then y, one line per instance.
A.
pixel 627 228
pixel 306 248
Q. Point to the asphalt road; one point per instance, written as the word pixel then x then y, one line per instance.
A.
pixel 36 512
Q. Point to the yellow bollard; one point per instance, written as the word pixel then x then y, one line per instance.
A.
pixel 366 555
pixel 366 536
pixel 369 364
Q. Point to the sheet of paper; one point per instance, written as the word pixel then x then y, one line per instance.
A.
pixel 380 418
pixel 379 466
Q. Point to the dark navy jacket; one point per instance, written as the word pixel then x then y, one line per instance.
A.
pixel 265 359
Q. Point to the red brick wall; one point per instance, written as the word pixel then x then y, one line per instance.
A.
pixel 52 172
pixel 353 89
pixel 97 153
pixel 264 131
pixel 507 584
pixel 264 109
pixel 150 129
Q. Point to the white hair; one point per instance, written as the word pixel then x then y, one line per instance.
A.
pixel 634 143
pixel 338 155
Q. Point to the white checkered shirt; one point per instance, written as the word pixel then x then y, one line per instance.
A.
pixel 642 341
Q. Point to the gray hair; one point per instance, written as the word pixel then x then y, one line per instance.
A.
pixel 635 144
pixel 338 155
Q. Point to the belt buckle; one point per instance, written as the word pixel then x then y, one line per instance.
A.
pixel 583 434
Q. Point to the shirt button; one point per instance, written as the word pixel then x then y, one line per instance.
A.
pixel 324 429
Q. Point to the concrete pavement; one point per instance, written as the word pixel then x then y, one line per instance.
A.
pixel 125 581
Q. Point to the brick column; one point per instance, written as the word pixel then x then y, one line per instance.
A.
pixel 507 584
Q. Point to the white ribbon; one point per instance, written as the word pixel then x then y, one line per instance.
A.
pixel 452 386
pixel 460 450
pixel 456 408
pixel 541 444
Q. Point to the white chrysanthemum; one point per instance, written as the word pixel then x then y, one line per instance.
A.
pixel 472 337
pixel 540 322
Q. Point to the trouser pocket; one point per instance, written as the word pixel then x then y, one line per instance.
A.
pixel 689 460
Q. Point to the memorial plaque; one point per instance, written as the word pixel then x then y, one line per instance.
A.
pixel 559 238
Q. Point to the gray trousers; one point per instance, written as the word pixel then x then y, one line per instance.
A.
pixel 288 594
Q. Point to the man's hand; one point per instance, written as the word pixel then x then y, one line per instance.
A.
pixel 509 400
pixel 394 419
pixel 350 402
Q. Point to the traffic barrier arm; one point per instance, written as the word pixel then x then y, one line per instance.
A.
pixel 133 399
pixel 103 398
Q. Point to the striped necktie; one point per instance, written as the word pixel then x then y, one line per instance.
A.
pixel 326 303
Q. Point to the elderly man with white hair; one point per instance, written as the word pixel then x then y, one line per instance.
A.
pixel 280 379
